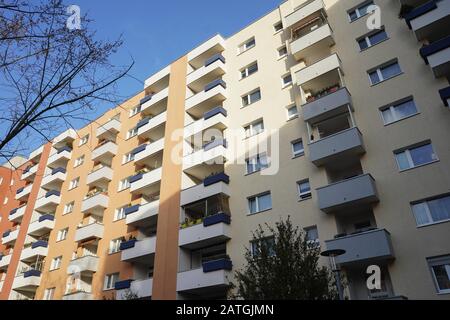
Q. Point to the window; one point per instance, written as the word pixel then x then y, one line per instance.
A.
pixel 12 182
pixel 292 112
pixel 84 140
pixel 385 72
pixel 264 245
pixel 440 269
pixel 372 39
pixel 135 111
pixel 432 211
pixel 114 245
pixel 119 214
pixel 132 133
pixel 74 183
pixel 110 281
pixel 249 70
pixel 124 184
pixel 256 163
pixel 359 11
pixel 304 189
pixel 49 293
pixel 56 263
pixel 282 52
pixel 312 236
pixel 1 180
pixel 254 128
pixel 5 201
pixel 78 161
pixel 415 156
pixel 68 208
pixel 259 203
pixel 297 148
pixel 278 26
pixel 128 157
pixel 62 234
pixel 251 97
pixel 286 80
pixel 250 43
pixel 398 111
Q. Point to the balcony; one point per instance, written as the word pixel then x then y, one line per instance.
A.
pixel 48 202
pixel 206 51
pixel 109 129
pixel 146 125
pixel 59 158
pixel 29 173
pixel 212 276
pixel 302 12
pixel 91 231
pixel 85 264
pixel 437 56
pixel 95 203
pixel 37 249
pixel 5 261
pixel 43 225
pixel 17 214
pixel 318 39
pixel 55 179
pixel 10 237
pixel 146 183
pixel 318 69
pixel 212 95
pixel 365 247
pixel 214 119
pixel 213 68
pixel 340 146
pixel 430 21
pixel 333 102
pixel 104 151
pixel 445 96
pixel 22 194
pixel 78 295
pixel 213 185
pixel 36 154
pixel 142 215
pixel 142 288
pixel 101 176
pixel 351 192
pixel 214 152
pixel 67 137
pixel 146 151
pixel 213 229
pixel 28 281
pixel 154 99
pixel 138 251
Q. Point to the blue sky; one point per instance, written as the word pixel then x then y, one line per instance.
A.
pixel 158 32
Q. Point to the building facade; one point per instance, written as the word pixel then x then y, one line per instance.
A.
pixel 308 112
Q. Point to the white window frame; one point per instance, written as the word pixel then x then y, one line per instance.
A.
pixel 128 157
pixel 392 109
pixel 132 133
pixel 119 214
pixel 49 293
pixel 286 84
pixel 290 117
pixel 114 245
pixel 380 74
pixel 316 242
pixel 281 56
pixel 250 128
pixel 124 184
pixel 432 263
pixel 358 13
pixel 254 164
pixel 62 234
pixel 79 161
pixel 134 111
pixel 424 204
pixel 5 201
pixel 56 263
pixel 297 153
pixel 68 208
pixel 110 281
pixel 246 69
pixel 276 25
pixel 1 180
pixel 304 195
pixel 369 43
pixel 247 97
pixel 12 182
pixel 255 198
pixel 407 153
pixel 84 140
pixel 74 183
pixel 244 46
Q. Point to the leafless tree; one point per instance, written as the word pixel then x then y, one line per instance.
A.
pixel 50 75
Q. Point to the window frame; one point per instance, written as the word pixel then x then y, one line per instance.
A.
pixel 110 281
pixel 257 165
pixel 132 133
pixel 286 84
pixel 304 195
pixel 301 153
pixel 124 184
pixel 127 158
pixel 49 293
pixel 367 37
pixel 114 246
pixel 69 205
pixel 294 116
pixel 357 8
pixel 244 47
pixel 278 24
pixel 256 199
pixel 83 140
pixel 56 263
pixel 119 214
pixel 251 127
pixel 439 261
pixel 425 203
pixel 62 234
pixel 407 152
pixel 134 111
pixel 74 183
pixel 379 73
pixel 246 72
pixel 392 106
pixel 79 161
pixel 248 96
pixel 284 48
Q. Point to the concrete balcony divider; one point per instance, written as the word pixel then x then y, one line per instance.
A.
pixel 354 191
pixel 90 231
pixel 364 247
pixel 339 146
pixel 321 37
pixel 327 106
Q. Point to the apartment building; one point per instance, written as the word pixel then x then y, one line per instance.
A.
pixel 306 112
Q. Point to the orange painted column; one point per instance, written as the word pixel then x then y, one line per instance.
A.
pixel 10 275
pixel 166 257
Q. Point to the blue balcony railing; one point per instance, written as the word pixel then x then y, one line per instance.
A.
pixel 48 217
pixel 66 148
pixel 60 169
pixel 145 99
pixel 39 243
pixel 128 244
pixel 20 190
pixel 420 10
pixel 217 218
pixel 132 209
pixel 214 58
pixel 52 193
pixel 215 83
pixel 124 284
pixel 445 95
pixel 215 143
pixel 211 113
pixel 143 122
pixel 141 148
pixel 216 178
pixel 6 233
pixel 219 264
pixel 32 273
pixel 434 47
pixel 136 177
pixel 13 211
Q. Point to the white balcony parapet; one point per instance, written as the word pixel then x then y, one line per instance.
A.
pixel 17 214
pixel 149 150
pixel 145 180
pixel 429 18
pixel 303 11
pixel 148 124
pixel 28 174
pixel 36 153
pixel 104 173
pixel 87 263
pixel 66 136
pixel 218 94
pixel 197 279
pixel 99 201
pixel 24 192
pixel 217 155
pixel 317 69
pixel 5 261
pixel 48 202
pixel 57 177
pixel 10 236
pixel 157 97
pixel 78 295
pixel 201 191
pixel 157 76
pixel 300 47
pixel 133 250
pixel 216 68
pixel 59 157
pixel 216 41
pixel 205 235
pixel 140 213
pixel 31 252
pixel 112 127
pixel 142 288
pixel 27 282
pixel 109 149
pixel 92 230
pixel 218 120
